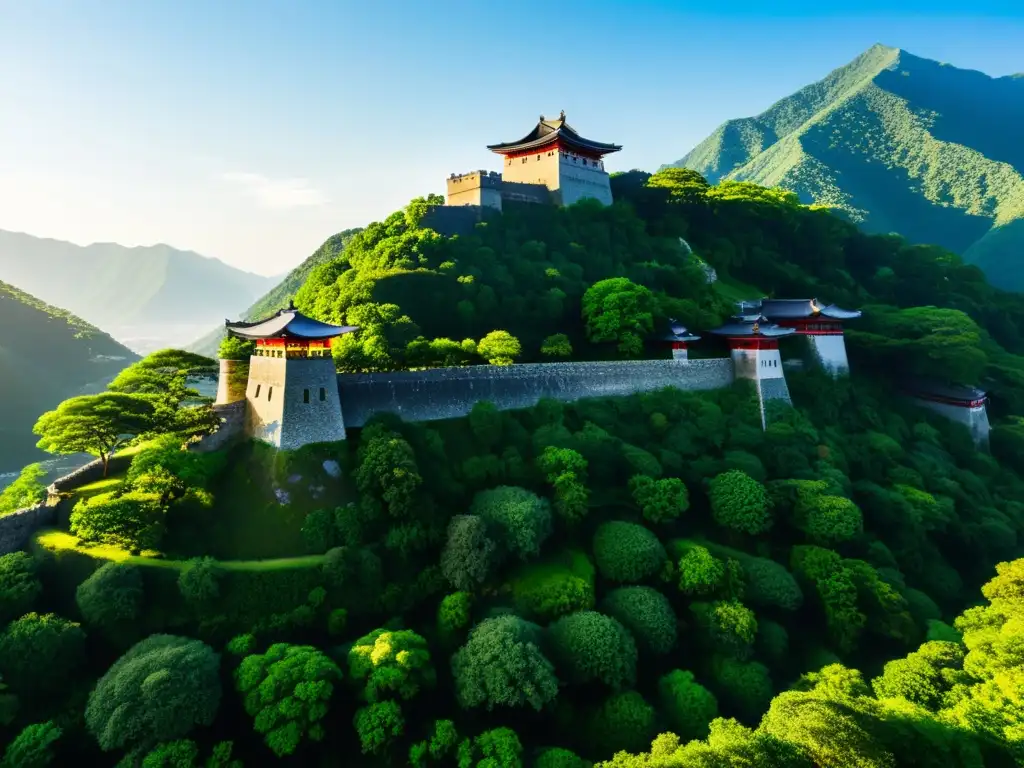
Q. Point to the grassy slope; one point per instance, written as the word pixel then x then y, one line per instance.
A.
pixel 896 142
pixel 278 297
pixel 110 284
pixel 48 355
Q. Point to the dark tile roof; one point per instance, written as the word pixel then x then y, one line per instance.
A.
pixel 795 309
pixel 287 323
pixel 752 328
pixel 548 131
pixel 678 332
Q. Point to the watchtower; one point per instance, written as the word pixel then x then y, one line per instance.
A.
pixel 820 324
pixel 554 155
pixel 291 397
pixel 754 348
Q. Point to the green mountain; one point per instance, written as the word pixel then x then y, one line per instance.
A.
pixel 133 292
pixel 558 585
pixel 284 291
pixel 46 355
pixel 901 144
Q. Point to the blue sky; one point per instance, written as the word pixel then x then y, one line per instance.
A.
pixel 251 131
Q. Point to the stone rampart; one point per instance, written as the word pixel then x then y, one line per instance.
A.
pixel 446 393
pixel 232 427
pixel 16 528
pixel 88 473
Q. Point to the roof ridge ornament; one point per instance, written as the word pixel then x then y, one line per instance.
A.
pixel 561 115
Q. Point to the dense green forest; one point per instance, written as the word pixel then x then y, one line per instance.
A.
pixel 642 581
pixel 46 355
pixel 897 143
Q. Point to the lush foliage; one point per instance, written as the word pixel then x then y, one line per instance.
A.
pixel 552 585
pixel 25 491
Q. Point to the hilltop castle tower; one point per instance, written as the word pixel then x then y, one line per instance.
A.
pixel 678 337
pixel 964 405
pixel 551 164
pixel 821 325
pixel 291 397
pixel 754 348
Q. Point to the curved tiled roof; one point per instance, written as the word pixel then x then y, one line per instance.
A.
pixel 752 328
pixel 796 309
pixel 548 131
pixel 287 323
pixel 678 332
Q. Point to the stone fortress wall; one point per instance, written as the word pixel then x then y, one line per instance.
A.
pixel 446 393
pixel 16 528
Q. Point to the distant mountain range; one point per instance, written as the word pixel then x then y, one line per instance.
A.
pixel 901 144
pixel 279 296
pixel 46 356
pixel 147 297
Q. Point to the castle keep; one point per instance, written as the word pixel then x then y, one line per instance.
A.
pixel 552 164
pixel 291 396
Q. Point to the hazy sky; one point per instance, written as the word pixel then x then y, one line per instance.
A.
pixel 251 131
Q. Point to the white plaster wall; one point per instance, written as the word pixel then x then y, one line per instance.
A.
pixel 577 181
pixel 264 398
pixel 975 419
pixel 541 168
pixel 758 364
pixel 680 354
pixel 830 352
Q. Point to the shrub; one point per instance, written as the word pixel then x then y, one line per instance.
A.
pixel 622 721
pixel 688 706
pixel 499 348
pixel 318 531
pixel 728 624
pixel 700 572
pixel 287 691
pixel 468 554
pixel 830 519
pixel 660 501
pixel 111 598
pixel 922 608
pixel 555 587
pixel 133 520
pixel 199 581
pixel 32 747
pixel 390 664
pixel 772 641
pixel 556 346
pixel 453 614
pixel 741 503
pixel 501 665
pixel 520 520
pixel 19 585
pixel 40 654
pixel 496 748
pixel 591 646
pixel 744 685
pixel 379 725
pixel 627 552
pixel 556 757
pixel 159 690
pixel 647 614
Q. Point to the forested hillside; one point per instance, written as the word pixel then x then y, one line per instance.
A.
pixel 46 355
pixel 279 296
pixel 900 144
pixel 557 586
pixel 112 286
